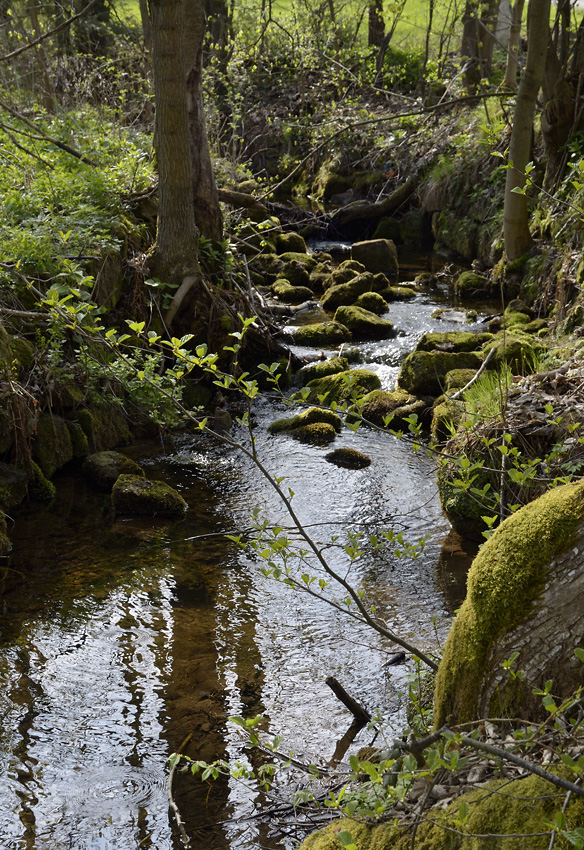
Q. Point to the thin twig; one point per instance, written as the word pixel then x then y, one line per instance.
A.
pixel 48 34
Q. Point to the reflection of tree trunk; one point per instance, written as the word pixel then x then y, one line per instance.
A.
pixel 516 225
pixel 376 23
pixel 48 91
pixel 175 252
pixel 207 210
pixel 513 48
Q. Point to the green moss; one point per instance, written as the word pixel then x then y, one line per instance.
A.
pixel 52 447
pixel 388 228
pixel 446 416
pixel 380 403
pixel 517 809
pixel 79 443
pixel 373 302
pixel 307 417
pixel 135 495
pixel 327 334
pixel 397 293
pixel 471 285
pixel 456 379
pixel 519 350
pixel 363 324
pixel 40 489
pixel 348 458
pixel 289 294
pixel 323 368
pixel 105 426
pixel 505 578
pixel 318 433
pixel 23 352
pixel 104 468
pixel 424 372
pixel 343 386
pixel 342 294
pixel 463 511
pixel 453 341
pixel 290 242
pixel 13 485
pixel 302 258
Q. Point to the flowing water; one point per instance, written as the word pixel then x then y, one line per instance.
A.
pixel 122 640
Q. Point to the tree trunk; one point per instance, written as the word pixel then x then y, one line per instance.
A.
pixel 513 47
pixel 376 23
pixel 486 31
pixel 175 251
pixel 206 203
pixel 146 27
pixel 469 46
pixel 516 226
pixel 47 88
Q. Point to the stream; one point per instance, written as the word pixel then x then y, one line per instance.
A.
pixel 124 639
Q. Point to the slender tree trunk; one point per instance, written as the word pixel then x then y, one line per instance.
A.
pixel 206 203
pixel 513 48
pixel 376 23
pixel 486 32
pixel 146 27
pixel 175 251
pixel 47 88
pixel 518 239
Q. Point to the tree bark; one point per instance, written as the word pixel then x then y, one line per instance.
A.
pixel 175 251
pixel 518 239
pixel 513 46
pixel 146 27
pixel 376 23
pixel 206 203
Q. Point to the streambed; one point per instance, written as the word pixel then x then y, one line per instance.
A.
pixel 120 638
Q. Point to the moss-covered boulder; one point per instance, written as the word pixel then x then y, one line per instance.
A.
pixel 388 228
pixel 13 485
pixel 307 417
pixel 323 368
pixel 301 257
pixel 40 489
pixel 52 447
pixel 285 242
pixel 104 425
pixel 424 372
pixel 525 594
pixel 325 334
pixel 79 443
pixel 316 433
pixel 373 302
pixel 132 494
pixel 377 405
pixel 456 379
pixel 5 543
pixel 397 293
pixel 446 416
pixel 348 458
pixel 377 255
pixel 517 809
pixel 520 351
pixel 297 274
pixel 343 294
pixel 342 386
pixel 453 341
pixel 363 324
pixel 284 291
pixel 104 468
pixel 472 285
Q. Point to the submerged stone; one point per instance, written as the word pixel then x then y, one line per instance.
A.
pixel 104 468
pixel 132 494
pixel 348 458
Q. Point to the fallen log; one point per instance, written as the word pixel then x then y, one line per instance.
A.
pixel 358 712
pixel 368 211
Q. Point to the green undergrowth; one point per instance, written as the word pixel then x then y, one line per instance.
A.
pixel 54 205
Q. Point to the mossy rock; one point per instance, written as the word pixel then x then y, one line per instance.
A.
pixel 378 404
pixel 52 447
pixel 373 302
pixel 453 341
pixel 13 485
pixel 323 368
pixel 307 417
pixel 104 468
pixel 464 512
pixel 426 279
pixel 348 458
pixel 344 294
pixel 289 242
pixel 326 334
pixel 5 543
pixel 343 386
pixel 105 426
pixel 517 808
pixel 297 274
pixel 446 416
pixel 388 228
pixel 79 444
pixel 40 489
pixel 23 352
pixel 132 494
pixel 536 326
pixel 377 255
pixel 363 324
pixel 472 285
pixel 289 294
pixel 317 433
pixel 397 293
pixel 518 350
pixel 456 379
pixel 301 257
pixel 352 265
pixel 511 320
pixel 525 594
pixel 424 372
